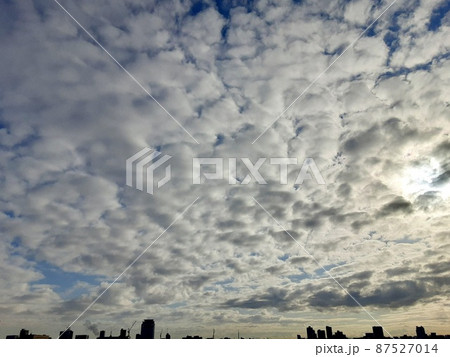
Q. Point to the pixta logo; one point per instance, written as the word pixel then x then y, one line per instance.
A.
pixel 146 166
pixel 308 167
pixel 141 167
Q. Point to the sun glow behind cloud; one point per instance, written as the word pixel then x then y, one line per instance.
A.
pixel 419 179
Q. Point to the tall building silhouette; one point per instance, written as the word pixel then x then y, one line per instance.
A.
pixel 420 332
pixel 329 332
pixel 377 332
pixel 321 334
pixel 147 330
pixel 123 333
pixel 24 334
pixel 310 333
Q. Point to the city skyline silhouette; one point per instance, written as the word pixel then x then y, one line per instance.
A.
pixel 147 331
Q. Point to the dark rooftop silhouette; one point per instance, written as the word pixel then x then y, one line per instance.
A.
pixel 148 332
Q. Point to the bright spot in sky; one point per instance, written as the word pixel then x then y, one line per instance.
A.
pixel 422 178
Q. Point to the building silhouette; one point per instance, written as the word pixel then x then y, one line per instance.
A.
pixel 377 332
pixel 310 333
pixel 66 335
pixel 147 330
pixel 123 335
pixel 420 332
pixel 25 335
pixel 329 332
pixel 322 334
pixel 40 337
pixel 339 335
pixel 81 337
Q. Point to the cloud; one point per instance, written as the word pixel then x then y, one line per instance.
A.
pixel 376 125
pixel 397 294
pixel 92 327
pixel 397 205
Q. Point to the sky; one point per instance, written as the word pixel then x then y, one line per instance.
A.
pixel 376 125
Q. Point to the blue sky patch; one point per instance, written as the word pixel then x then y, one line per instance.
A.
pixel 197 8
pixel 284 257
pixel 220 139
pixel 437 15
pixel 406 240
pixel 320 272
pixel 296 278
pixel 62 280
pixel 177 305
pixel 16 242
pixel 10 214
pixel 225 6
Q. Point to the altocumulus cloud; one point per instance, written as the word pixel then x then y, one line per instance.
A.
pixel 376 125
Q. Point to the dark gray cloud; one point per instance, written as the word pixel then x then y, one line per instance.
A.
pixel 391 294
pixel 397 205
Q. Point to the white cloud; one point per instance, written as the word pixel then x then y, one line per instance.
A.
pixel 70 117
